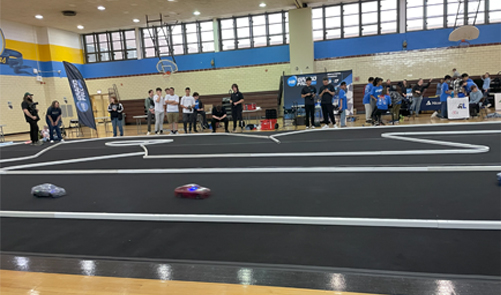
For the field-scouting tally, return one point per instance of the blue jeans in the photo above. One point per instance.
(58, 132)
(343, 118)
(416, 104)
(443, 110)
(115, 122)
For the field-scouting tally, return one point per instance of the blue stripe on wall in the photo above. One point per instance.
(393, 42)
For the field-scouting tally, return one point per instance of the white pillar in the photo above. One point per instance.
(301, 41)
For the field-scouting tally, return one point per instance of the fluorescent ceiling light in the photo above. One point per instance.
(136, 20)
(80, 27)
(196, 12)
(39, 16)
(262, 5)
(100, 7)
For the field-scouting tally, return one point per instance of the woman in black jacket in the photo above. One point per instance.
(237, 99)
(417, 96)
(115, 109)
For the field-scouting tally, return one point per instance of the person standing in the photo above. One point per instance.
(309, 93)
(199, 110)
(326, 92)
(159, 100)
(377, 90)
(367, 100)
(455, 74)
(487, 83)
(149, 106)
(343, 103)
(236, 100)
(115, 109)
(172, 103)
(53, 118)
(31, 116)
(417, 96)
(439, 86)
(219, 115)
(188, 105)
(443, 98)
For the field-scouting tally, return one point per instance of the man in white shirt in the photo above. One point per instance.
(159, 111)
(188, 104)
(172, 103)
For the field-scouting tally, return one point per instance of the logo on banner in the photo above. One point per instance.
(292, 81)
(461, 106)
(428, 103)
(301, 81)
(82, 102)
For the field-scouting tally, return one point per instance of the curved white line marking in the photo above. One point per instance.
(296, 220)
(142, 143)
(32, 156)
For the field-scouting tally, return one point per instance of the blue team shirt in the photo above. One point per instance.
(383, 102)
(469, 83)
(342, 99)
(367, 94)
(443, 94)
(197, 103)
(376, 91)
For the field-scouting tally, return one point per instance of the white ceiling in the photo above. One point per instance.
(119, 13)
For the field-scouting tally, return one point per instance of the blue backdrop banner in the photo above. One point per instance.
(80, 95)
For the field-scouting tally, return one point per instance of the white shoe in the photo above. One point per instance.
(51, 141)
(434, 114)
(312, 127)
(62, 140)
(488, 105)
(148, 133)
(307, 127)
(325, 127)
(335, 126)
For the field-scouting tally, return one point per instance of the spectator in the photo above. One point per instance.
(188, 105)
(343, 103)
(487, 83)
(382, 104)
(45, 133)
(396, 102)
(53, 119)
(149, 106)
(467, 83)
(326, 93)
(199, 110)
(439, 87)
(31, 116)
(367, 100)
(159, 111)
(219, 115)
(443, 98)
(458, 89)
(237, 99)
(455, 74)
(309, 93)
(172, 103)
(475, 98)
(377, 90)
(417, 96)
(115, 109)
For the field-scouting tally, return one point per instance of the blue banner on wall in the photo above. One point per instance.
(294, 84)
(80, 95)
(431, 104)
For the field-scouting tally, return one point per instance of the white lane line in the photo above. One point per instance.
(257, 170)
(32, 156)
(296, 220)
(465, 148)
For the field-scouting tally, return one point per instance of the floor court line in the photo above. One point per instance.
(260, 219)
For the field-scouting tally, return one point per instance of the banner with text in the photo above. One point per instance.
(80, 95)
(294, 84)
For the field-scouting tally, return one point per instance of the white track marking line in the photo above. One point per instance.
(32, 156)
(260, 219)
(254, 170)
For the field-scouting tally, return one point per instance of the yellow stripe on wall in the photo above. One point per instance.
(46, 52)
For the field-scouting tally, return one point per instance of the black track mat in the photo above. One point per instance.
(458, 195)
(413, 250)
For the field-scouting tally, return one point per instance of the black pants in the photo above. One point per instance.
(376, 115)
(150, 119)
(34, 131)
(474, 109)
(328, 112)
(236, 114)
(310, 113)
(204, 119)
(189, 119)
(214, 121)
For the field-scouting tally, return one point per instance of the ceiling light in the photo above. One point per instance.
(170, 0)
(262, 5)
(100, 7)
(136, 20)
(196, 12)
(39, 16)
(80, 27)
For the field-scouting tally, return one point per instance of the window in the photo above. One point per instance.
(389, 16)
(369, 18)
(351, 20)
(455, 13)
(108, 46)
(415, 15)
(332, 22)
(207, 36)
(494, 11)
(254, 31)
(434, 14)
(317, 15)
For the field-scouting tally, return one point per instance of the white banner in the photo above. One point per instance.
(458, 108)
(497, 101)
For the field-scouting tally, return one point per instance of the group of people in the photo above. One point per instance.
(52, 118)
(159, 106)
(326, 93)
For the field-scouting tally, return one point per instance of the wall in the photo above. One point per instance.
(38, 48)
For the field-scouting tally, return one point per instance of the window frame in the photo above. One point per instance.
(109, 42)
